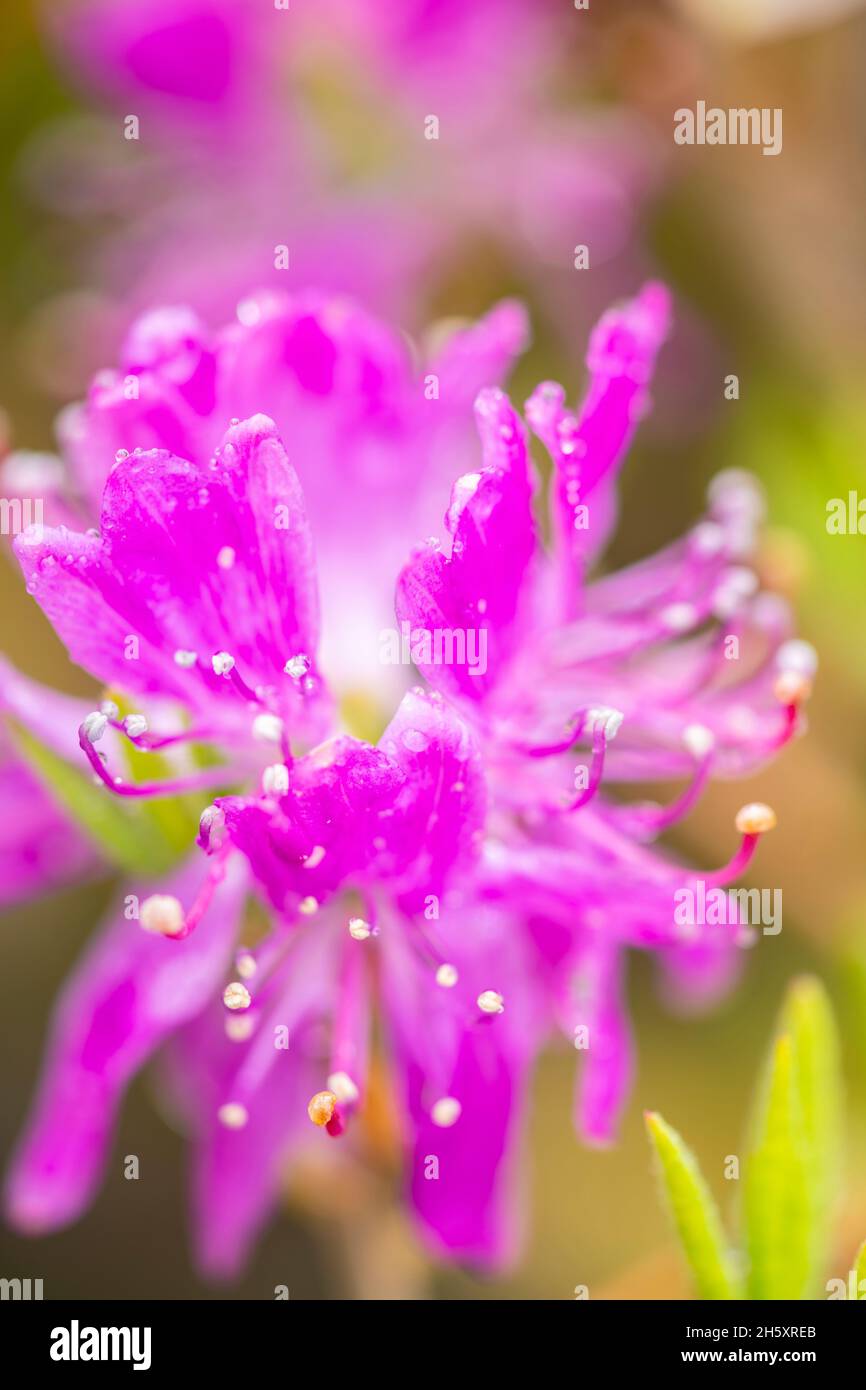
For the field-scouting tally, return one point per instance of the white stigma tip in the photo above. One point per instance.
(755, 819)
(489, 1002)
(94, 725)
(233, 1115)
(236, 996)
(698, 739)
(359, 930)
(447, 976)
(162, 914)
(446, 1112)
(135, 725)
(268, 728)
(297, 666)
(222, 663)
(275, 780)
(343, 1087)
(185, 659)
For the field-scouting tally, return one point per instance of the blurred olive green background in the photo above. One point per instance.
(766, 257)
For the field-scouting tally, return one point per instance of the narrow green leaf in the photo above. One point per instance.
(694, 1213)
(793, 1149)
(125, 833)
(808, 1018)
(860, 1272)
(774, 1188)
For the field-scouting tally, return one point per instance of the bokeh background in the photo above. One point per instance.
(557, 130)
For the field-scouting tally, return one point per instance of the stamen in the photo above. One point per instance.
(186, 659)
(225, 557)
(446, 1112)
(315, 857)
(110, 710)
(447, 976)
(163, 915)
(752, 822)
(604, 723)
(88, 730)
(359, 930)
(755, 819)
(308, 906)
(135, 725)
(236, 996)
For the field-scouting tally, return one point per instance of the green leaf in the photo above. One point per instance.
(793, 1150)
(694, 1213)
(125, 833)
(860, 1271)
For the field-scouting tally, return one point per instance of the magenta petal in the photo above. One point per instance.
(462, 1175)
(607, 1064)
(128, 993)
(191, 558)
(341, 804)
(236, 1173)
(476, 593)
(440, 814)
(587, 449)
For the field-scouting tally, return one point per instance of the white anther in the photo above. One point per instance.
(447, 976)
(236, 996)
(797, 655)
(246, 965)
(275, 780)
(135, 725)
(315, 857)
(185, 658)
(698, 739)
(489, 1002)
(233, 1115)
(222, 663)
(225, 557)
(109, 709)
(344, 1088)
(239, 1027)
(679, 617)
(359, 930)
(162, 914)
(308, 906)
(446, 1112)
(602, 716)
(94, 726)
(268, 728)
(297, 666)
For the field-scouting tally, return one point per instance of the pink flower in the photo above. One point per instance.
(492, 883)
